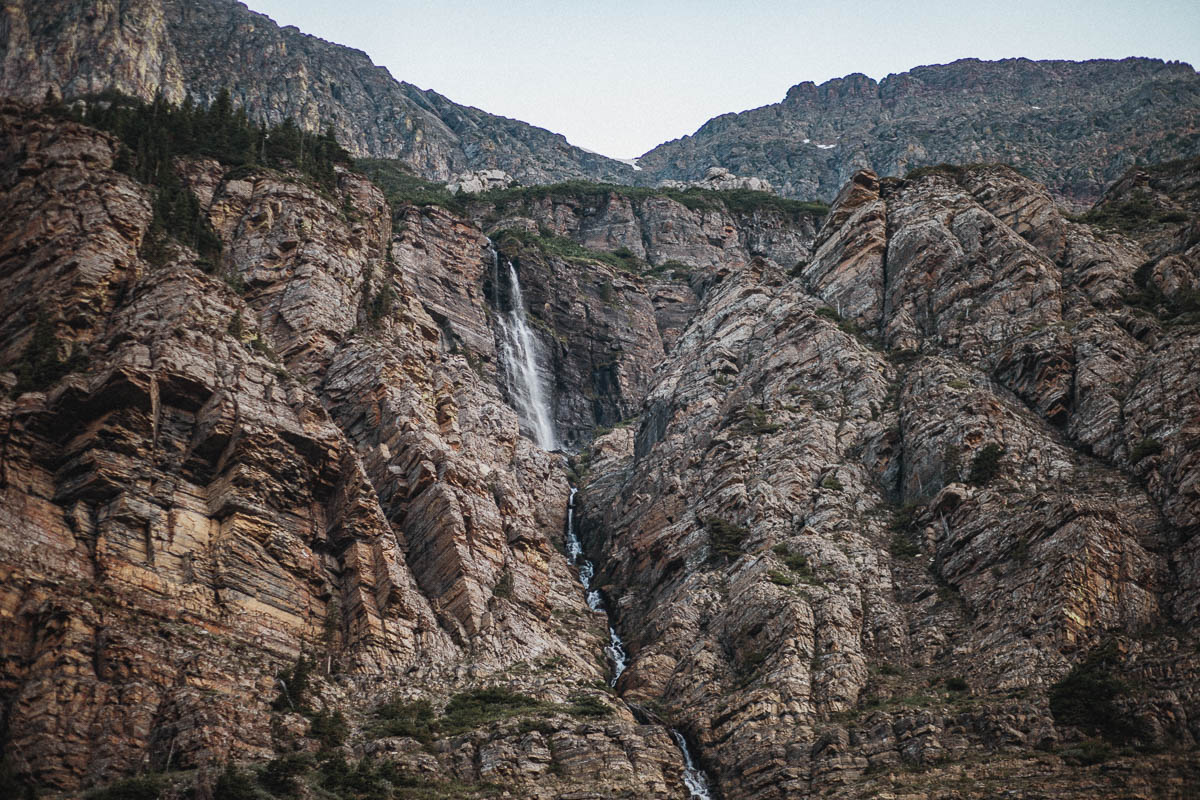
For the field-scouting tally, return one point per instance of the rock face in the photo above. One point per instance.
(901, 500)
(850, 551)
(1075, 126)
(181, 47)
(480, 181)
(720, 179)
(234, 479)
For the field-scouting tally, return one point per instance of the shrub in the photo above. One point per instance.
(831, 482)
(142, 787)
(470, 710)
(234, 784)
(1087, 697)
(280, 775)
(12, 785)
(902, 546)
(755, 421)
(41, 364)
(1087, 753)
(399, 718)
(1144, 449)
(781, 578)
(329, 728)
(796, 562)
(293, 686)
(986, 464)
(588, 706)
(725, 537)
(957, 684)
(504, 586)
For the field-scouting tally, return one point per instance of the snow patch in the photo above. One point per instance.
(826, 146)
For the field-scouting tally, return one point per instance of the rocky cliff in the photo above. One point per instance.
(184, 47)
(898, 500)
(1074, 126)
(907, 548)
(248, 473)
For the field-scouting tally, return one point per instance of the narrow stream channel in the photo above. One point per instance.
(693, 776)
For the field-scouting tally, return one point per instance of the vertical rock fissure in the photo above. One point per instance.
(694, 778)
(520, 353)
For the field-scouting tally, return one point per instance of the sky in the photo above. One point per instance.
(620, 77)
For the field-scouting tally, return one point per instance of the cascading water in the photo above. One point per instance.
(519, 350)
(693, 777)
(616, 648)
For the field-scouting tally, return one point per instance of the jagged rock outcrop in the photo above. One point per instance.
(245, 467)
(1075, 126)
(182, 47)
(891, 486)
(971, 473)
(480, 181)
(720, 179)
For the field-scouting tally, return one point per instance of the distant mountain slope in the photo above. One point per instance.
(1075, 126)
(141, 47)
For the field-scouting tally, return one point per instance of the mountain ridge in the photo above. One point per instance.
(199, 47)
(969, 110)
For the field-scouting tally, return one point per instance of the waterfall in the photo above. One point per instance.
(693, 776)
(615, 650)
(520, 350)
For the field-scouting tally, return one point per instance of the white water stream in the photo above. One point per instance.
(693, 776)
(520, 352)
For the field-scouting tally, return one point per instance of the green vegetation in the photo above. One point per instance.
(1144, 449)
(475, 709)
(281, 776)
(294, 686)
(953, 171)
(41, 363)
(400, 718)
(471, 710)
(831, 482)
(905, 538)
(957, 684)
(504, 587)
(379, 305)
(986, 464)
(329, 728)
(402, 188)
(1183, 307)
(902, 546)
(1131, 216)
(726, 538)
(11, 785)
(154, 134)
(737, 200)
(589, 706)
(1087, 697)
(235, 784)
(141, 787)
(780, 578)
(550, 244)
(1087, 753)
(754, 421)
(797, 563)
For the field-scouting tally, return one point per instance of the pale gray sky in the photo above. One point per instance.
(620, 77)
